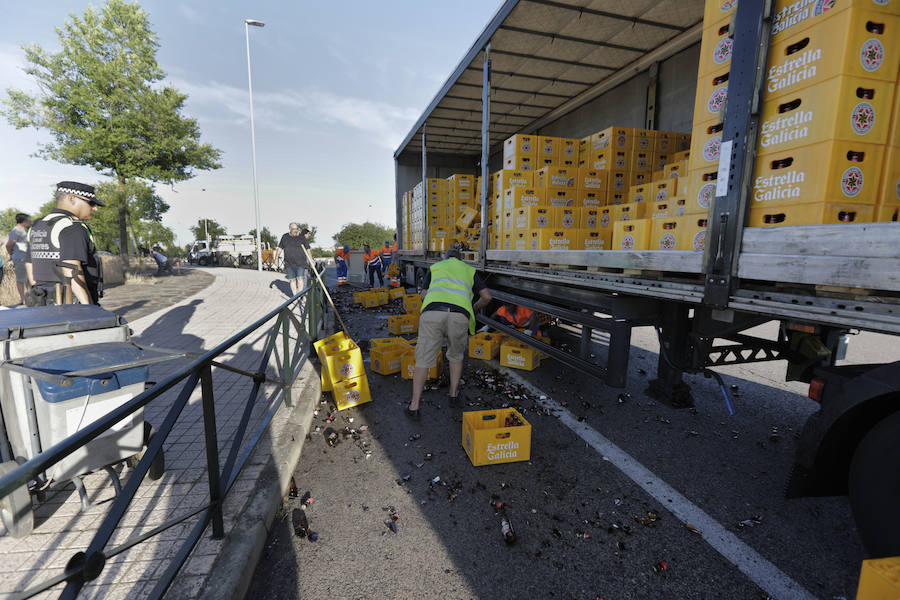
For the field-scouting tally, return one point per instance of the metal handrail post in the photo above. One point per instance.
(287, 369)
(212, 452)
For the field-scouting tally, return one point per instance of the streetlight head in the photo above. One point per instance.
(254, 22)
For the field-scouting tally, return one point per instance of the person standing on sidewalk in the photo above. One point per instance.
(372, 263)
(295, 263)
(64, 238)
(447, 312)
(17, 248)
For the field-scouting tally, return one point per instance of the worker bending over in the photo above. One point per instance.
(372, 264)
(518, 317)
(447, 312)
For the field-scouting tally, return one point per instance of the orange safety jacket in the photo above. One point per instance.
(519, 319)
(339, 253)
(372, 257)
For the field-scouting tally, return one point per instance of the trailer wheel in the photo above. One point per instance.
(203, 261)
(874, 485)
(15, 509)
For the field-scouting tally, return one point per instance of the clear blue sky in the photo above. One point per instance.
(336, 87)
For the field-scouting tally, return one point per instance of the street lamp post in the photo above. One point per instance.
(255, 23)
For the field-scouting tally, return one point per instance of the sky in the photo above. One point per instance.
(336, 88)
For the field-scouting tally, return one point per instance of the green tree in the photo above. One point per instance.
(8, 220)
(102, 101)
(265, 236)
(205, 226)
(321, 252)
(355, 235)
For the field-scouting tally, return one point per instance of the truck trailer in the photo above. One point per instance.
(561, 68)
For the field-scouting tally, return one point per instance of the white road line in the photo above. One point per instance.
(752, 564)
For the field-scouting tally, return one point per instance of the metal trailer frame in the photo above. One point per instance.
(729, 289)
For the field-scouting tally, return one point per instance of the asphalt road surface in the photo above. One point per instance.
(623, 497)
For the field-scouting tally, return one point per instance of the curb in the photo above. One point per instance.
(232, 571)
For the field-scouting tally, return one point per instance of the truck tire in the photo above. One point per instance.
(16, 509)
(203, 261)
(874, 488)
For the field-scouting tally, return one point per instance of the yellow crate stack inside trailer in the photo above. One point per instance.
(825, 153)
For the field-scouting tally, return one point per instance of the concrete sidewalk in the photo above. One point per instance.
(235, 299)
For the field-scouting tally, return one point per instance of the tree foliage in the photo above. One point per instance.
(321, 252)
(355, 235)
(102, 101)
(8, 220)
(265, 236)
(210, 226)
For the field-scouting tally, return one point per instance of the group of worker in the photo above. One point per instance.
(374, 263)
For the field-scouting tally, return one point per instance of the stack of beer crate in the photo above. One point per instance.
(416, 214)
(826, 149)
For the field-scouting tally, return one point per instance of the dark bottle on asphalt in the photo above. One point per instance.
(506, 529)
(301, 525)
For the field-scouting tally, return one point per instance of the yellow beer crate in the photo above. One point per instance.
(408, 365)
(879, 579)
(599, 239)
(834, 171)
(386, 359)
(631, 235)
(359, 297)
(369, 299)
(817, 213)
(396, 293)
(399, 324)
(630, 211)
(518, 197)
(487, 441)
(466, 217)
(519, 356)
(345, 364)
(590, 198)
(668, 234)
(485, 346)
(412, 303)
(381, 296)
(378, 342)
(351, 392)
(535, 217)
(887, 213)
(333, 344)
(694, 237)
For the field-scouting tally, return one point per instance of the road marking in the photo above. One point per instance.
(752, 564)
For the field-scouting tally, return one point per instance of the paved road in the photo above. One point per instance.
(590, 523)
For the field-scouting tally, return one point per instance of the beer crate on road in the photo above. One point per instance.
(519, 356)
(485, 346)
(400, 324)
(351, 392)
(387, 359)
(333, 344)
(408, 364)
(489, 438)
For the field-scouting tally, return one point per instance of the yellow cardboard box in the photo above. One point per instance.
(818, 213)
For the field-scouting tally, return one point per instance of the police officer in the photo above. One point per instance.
(64, 238)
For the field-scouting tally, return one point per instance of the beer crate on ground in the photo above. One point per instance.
(489, 437)
(351, 392)
(399, 324)
(345, 364)
(519, 356)
(333, 344)
(878, 578)
(359, 297)
(485, 346)
(412, 303)
(376, 342)
(387, 359)
(381, 296)
(396, 293)
(408, 364)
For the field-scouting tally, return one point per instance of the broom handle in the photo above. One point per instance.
(312, 262)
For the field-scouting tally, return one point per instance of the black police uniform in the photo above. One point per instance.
(58, 237)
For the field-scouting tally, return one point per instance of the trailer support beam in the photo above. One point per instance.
(668, 387)
(485, 151)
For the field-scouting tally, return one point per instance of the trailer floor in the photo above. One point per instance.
(582, 525)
